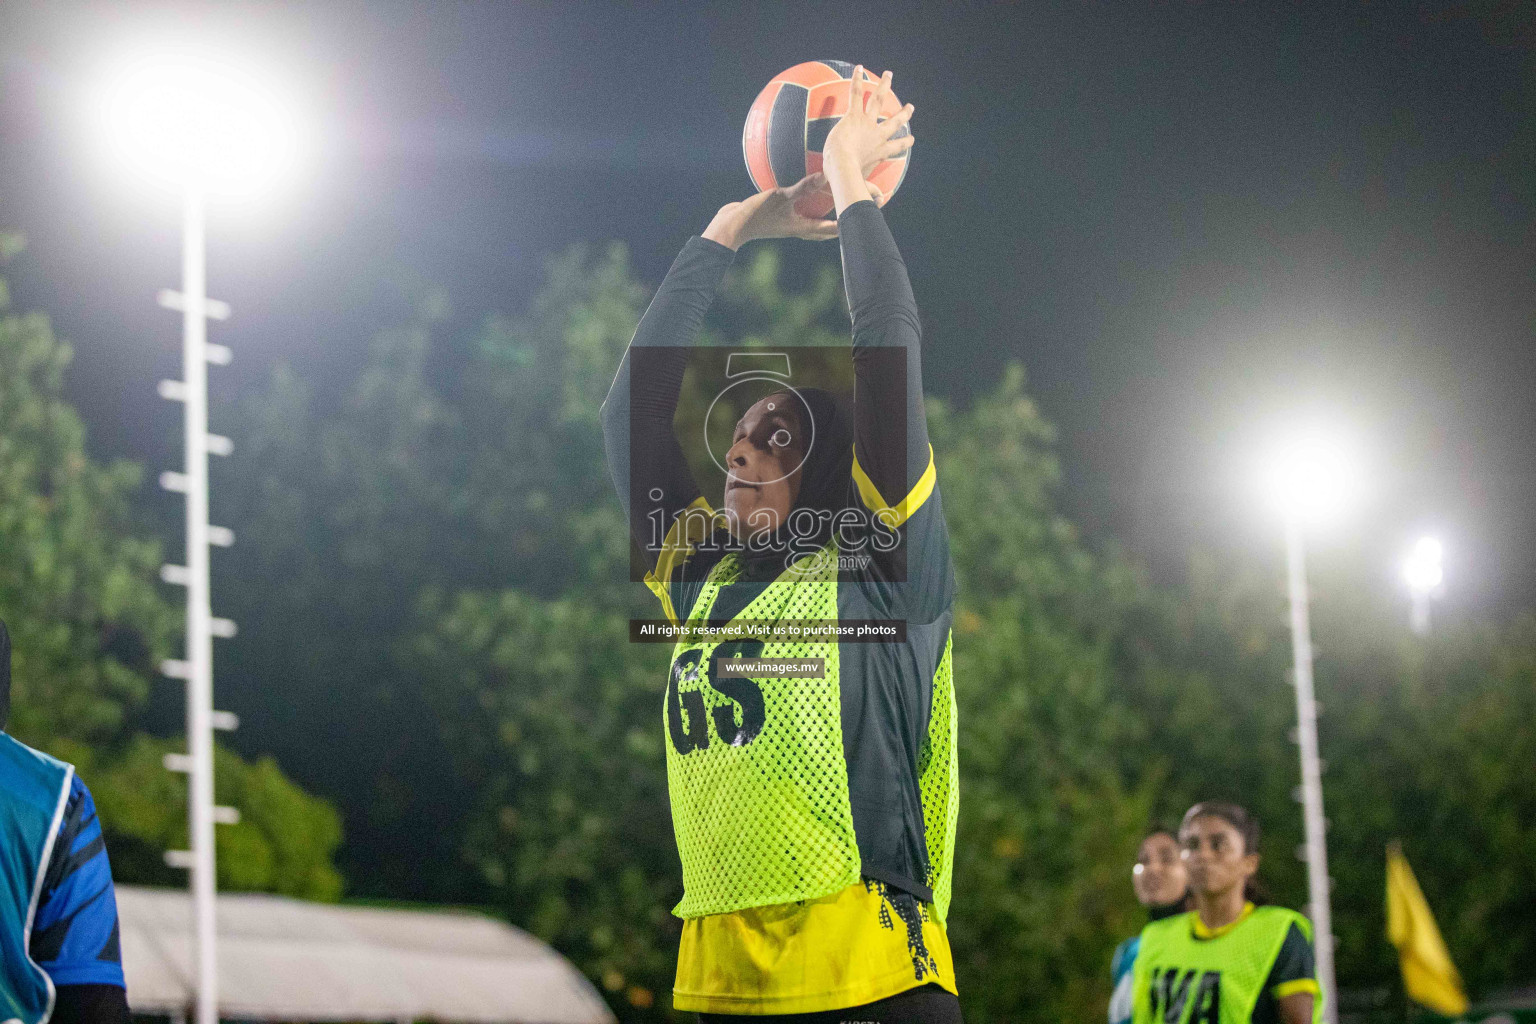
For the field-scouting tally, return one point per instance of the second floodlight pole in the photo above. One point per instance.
(1418, 617)
(1316, 848)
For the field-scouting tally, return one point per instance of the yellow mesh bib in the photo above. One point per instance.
(1181, 979)
(755, 768)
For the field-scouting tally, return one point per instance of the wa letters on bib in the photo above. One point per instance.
(1173, 991)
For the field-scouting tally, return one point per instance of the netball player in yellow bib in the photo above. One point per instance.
(1230, 960)
(814, 814)
(1161, 882)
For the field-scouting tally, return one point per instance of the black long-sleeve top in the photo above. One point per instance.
(887, 689)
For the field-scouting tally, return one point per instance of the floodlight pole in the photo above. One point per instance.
(1316, 848)
(201, 626)
(194, 358)
(1418, 617)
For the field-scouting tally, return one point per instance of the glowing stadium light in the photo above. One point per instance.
(1311, 476)
(198, 120)
(1425, 569)
(1424, 572)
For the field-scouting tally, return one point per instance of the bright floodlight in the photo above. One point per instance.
(1424, 570)
(198, 119)
(1310, 476)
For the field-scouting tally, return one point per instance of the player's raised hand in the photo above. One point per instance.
(860, 139)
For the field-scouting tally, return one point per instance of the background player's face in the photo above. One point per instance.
(763, 466)
(1216, 855)
(1159, 876)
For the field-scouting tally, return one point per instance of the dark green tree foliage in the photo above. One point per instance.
(87, 621)
(434, 570)
(355, 507)
(341, 519)
(1204, 671)
(75, 580)
(1433, 743)
(283, 843)
(554, 719)
(1472, 752)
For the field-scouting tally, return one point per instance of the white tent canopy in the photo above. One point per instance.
(285, 959)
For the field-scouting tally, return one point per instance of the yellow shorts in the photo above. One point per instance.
(853, 947)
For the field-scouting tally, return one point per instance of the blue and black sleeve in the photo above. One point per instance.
(75, 936)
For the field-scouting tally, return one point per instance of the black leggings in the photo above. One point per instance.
(929, 1004)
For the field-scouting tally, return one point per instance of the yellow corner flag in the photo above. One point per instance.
(1428, 974)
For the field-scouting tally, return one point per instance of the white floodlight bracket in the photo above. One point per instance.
(213, 309)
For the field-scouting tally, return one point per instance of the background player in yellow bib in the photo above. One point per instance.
(1230, 960)
(1161, 881)
(815, 817)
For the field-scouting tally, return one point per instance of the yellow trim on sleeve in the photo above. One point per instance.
(1290, 988)
(686, 531)
(910, 504)
(663, 594)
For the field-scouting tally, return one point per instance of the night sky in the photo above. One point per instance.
(1184, 220)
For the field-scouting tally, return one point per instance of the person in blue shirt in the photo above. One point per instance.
(1162, 886)
(60, 961)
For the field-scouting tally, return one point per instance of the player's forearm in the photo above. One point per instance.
(90, 1004)
(890, 424)
(727, 228)
(845, 180)
(677, 311)
(643, 454)
(1296, 1008)
(880, 300)
(648, 394)
(649, 471)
